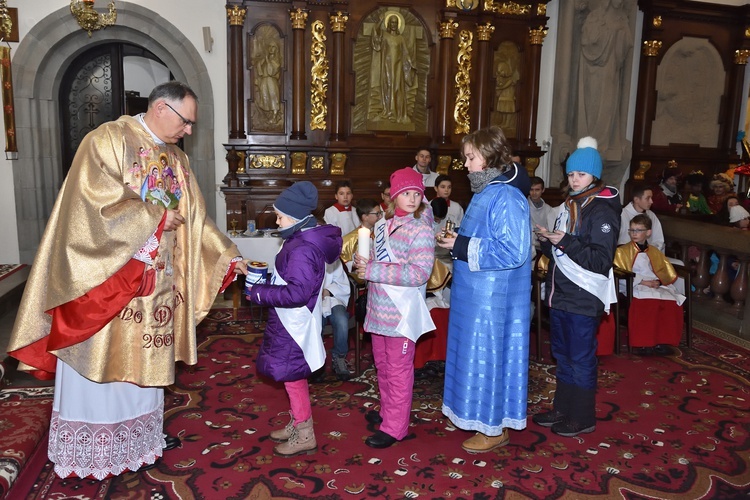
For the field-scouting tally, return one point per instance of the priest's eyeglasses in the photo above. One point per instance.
(637, 231)
(185, 122)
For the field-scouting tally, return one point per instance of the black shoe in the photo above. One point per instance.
(380, 440)
(548, 418)
(317, 376)
(172, 442)
(663, 350)
(146, 467)
(643, 351)
(373, 416)
(568, 428)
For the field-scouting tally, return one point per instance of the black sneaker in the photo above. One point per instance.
(568, 428)
(548, 418)
(663, 350)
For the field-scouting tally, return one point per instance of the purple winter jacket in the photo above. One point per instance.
(301, 262)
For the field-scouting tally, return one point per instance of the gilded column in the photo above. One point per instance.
(447, 31)
(646, 105)
(528, 117)
(484, 70)
(299, 20)
(236, 18)
(338, 27)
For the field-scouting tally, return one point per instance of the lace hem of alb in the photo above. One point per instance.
(98, 450)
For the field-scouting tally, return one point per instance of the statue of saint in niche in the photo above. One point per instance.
(267, 63)
(606, 43)
(394, 72)
(507, 75)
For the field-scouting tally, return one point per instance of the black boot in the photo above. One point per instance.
(560, 407)
(581, 418)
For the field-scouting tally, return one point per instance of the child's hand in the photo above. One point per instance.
(554, 237)
(360, 265)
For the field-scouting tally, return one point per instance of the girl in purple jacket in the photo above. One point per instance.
(399, 266)
(292, 344)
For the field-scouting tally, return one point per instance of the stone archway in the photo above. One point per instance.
(39, 64)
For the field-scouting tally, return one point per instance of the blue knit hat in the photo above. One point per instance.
(298, 200)
(585, 159)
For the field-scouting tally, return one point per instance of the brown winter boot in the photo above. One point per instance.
(283, 435)
(302, 441)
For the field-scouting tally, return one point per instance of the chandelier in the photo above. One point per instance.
(89, 19)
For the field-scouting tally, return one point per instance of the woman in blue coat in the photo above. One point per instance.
(486, 366)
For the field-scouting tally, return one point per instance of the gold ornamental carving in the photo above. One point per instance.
(531, 165)
(747, 32)
(541, 9)
(463, 83)
(536, 36)
(656, 22)
(741, 56)
(338, 162)
(443, 164)
(338, 22)
(643, 167)
(317, 163)
(511, 8)
(462, 4)
(267, 162)
(299, 19)
(448, 28)
(318, 77)
(651, 48)
(299, 162)
(242, 155)
(236, 15)
(484, 32)
(457, 164)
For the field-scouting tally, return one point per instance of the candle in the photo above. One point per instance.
(363, 242)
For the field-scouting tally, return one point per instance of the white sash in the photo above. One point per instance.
(304, 326)
(409, 300)
(597, 285)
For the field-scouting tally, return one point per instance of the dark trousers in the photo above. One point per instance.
(573, 340)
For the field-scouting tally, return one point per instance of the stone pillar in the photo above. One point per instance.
(735, 102)
(447, 30)
(299, 21)
(338, 27)
(484, 70)
(646, 107)
(528, 118)
(236, 18)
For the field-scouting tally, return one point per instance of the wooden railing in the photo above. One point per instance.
(694, 242)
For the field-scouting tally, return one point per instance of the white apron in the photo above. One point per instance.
(409, 300)
(304, 326)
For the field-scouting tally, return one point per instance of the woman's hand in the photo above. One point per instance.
(360, 265)
(446, 240)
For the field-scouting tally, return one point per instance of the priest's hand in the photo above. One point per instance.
(174, 220)
(240, 267)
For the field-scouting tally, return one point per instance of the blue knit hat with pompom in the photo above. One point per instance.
(585, 159)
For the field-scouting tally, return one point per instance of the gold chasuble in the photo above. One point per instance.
(103, 225)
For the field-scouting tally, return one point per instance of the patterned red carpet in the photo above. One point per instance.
(668, 427)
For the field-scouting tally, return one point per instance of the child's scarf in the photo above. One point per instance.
(576, 202)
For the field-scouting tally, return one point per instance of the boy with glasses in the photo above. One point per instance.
(655, 317)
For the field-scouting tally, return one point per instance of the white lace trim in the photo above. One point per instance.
(89, 449)
(487, 430)
(144, 253)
